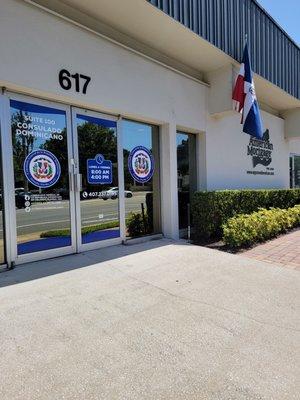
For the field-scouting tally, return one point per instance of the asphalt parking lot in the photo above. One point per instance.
(159, 320)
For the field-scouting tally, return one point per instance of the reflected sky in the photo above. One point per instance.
(180, 138)
(136, 134)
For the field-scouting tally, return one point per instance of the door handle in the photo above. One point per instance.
(71, 186)
(78, 182)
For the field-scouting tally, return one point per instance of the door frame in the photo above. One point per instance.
(10, 184)
(6, 178)
(109, 242)
(187, 230)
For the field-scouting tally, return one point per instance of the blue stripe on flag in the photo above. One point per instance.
(247, 65)
(253, 123)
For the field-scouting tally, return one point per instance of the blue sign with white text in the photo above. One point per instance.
(99, 171)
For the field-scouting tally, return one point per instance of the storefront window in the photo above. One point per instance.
(295, 171)
(41, 174)
(2, 253)
(98, 166)
(291, 172)
(142, 178)
(186, 173)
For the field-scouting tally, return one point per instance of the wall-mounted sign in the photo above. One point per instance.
(261, 150)
(42, 168)
(261, 153)
(99, 171)
(68, 80)
(141, 164)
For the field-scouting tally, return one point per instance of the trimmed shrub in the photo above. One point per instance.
(210, 210)
(136, 225)
(245, 230)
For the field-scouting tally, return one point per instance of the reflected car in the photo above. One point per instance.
(23, 198)
(113, 194)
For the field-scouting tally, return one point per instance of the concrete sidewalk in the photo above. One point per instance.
(160, 320)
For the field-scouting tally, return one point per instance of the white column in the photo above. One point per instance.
(169, 194)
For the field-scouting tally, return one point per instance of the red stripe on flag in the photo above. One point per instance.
(238, 93)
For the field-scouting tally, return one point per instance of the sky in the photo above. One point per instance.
(286, 13)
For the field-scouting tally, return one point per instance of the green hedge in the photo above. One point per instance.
(245, 230)
(210, 210)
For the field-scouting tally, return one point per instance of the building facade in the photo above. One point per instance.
(111, 107)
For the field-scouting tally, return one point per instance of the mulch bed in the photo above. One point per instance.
(220, 245)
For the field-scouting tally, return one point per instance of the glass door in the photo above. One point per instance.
(186, 175)
(96, 181)
(2, 238)
(43, 178)
(295, 171)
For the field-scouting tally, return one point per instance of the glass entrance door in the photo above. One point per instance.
(186, 174)
(43, 181)
(96, 180)
(2, 247)
(68, 187)
(295, 171)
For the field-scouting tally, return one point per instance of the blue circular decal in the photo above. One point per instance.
(42, 168)
(141, 164)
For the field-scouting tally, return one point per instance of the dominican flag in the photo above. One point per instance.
(245, 101)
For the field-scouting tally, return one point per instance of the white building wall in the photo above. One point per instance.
(294, 145)
(38, 45)
(228, 164)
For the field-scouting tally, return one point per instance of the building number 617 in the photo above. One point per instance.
(67, 80)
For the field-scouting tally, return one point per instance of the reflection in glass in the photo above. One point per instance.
(291, 172)
(142, 200)
(295, 171)
(186, 172)
(2, 253)
(40, 155)
(98, 166)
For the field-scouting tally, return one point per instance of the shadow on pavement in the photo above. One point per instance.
(40, 269)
